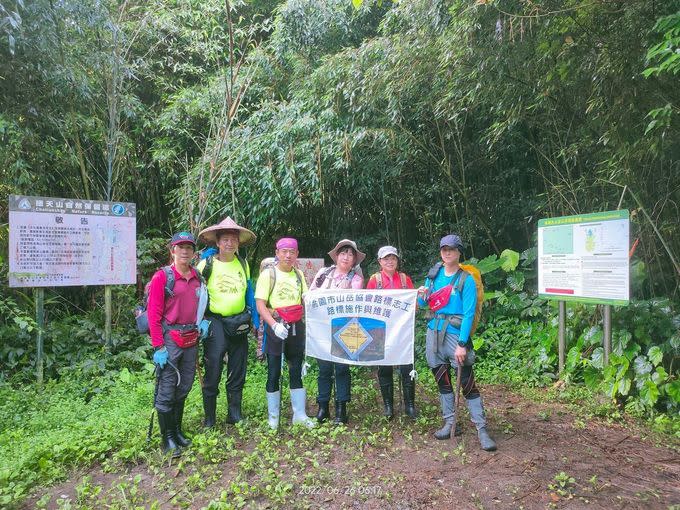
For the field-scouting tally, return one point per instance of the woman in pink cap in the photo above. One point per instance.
(341, 275)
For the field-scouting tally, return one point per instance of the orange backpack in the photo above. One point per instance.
(467, 270)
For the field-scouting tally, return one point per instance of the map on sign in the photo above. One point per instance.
(584, 258)
(61, 242)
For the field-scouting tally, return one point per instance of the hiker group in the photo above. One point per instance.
(214, 303)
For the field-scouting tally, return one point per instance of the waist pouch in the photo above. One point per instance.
(291, 314)
(183, 335)
(440, 299)
(236, 324)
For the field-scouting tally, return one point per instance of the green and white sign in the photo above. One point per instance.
(585, 258)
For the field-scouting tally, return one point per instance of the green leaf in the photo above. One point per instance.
(659, 376)
(649, 393)
(655, 355)
(624, 386)
(477, 342)
(488, 264)
(124, 375)
(509, 260)
(620, 341)
(592, 377)
(597, 358)
(515, 281)
(672, 389)
(357, 4)
(642, 366)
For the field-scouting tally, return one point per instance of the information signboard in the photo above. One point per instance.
(57, 242)
(585, 258)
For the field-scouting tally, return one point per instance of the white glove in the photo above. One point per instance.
(280, 330)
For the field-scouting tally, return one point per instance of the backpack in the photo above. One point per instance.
(141, 316)
(379, 282)
(465, 270)
(322, 277)
(272, 280)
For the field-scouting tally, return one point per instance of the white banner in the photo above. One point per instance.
(361, 327)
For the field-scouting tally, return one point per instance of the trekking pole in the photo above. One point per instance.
(157, 374)
(198, 370)
(457, 404)
(283, 350)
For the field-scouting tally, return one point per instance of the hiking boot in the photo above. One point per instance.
(209, 406)
(182, 441)
(340, 413)
(409, 389)
(387, 391)
(324, 413)
(234, 406)
(298, 400)
(273, 409)
(166, 423)
(447, 401)
(485, 440)
(478, 417)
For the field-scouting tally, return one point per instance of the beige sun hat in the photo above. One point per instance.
(346, 242)
(209, 235)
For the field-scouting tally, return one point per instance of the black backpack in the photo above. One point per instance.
(141, 316)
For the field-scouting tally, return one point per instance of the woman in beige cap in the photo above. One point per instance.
(343, 274)
(231, 309)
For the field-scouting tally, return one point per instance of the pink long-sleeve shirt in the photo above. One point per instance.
(178, 309)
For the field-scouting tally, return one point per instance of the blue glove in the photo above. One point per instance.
(160, 357)
(204, 328)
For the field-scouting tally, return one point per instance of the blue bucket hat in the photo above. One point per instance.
(452, 241)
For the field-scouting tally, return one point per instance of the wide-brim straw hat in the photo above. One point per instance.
(209, 235)
(347, 242)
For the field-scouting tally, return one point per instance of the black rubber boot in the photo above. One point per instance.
(340, 413)
(387, 391)
(209, 406)
(166, 422)
(179, 414)
(409, 388)
(234, 404)
(323, 413)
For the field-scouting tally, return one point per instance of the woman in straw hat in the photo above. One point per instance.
(343, 274)
(228, 318)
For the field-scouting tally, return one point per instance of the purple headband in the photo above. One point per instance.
(287, 242)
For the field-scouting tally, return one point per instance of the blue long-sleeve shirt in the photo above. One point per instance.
(463, 303)
(250, 303)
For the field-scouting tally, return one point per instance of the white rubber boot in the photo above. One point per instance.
(274, 408)
(298, 399)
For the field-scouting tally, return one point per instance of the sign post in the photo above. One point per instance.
(584, 258)
(39, 295)
(56, 242)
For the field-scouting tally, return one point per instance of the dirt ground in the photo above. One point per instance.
(547, 458)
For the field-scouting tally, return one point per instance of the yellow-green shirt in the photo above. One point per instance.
(286, 290)
(227, 286)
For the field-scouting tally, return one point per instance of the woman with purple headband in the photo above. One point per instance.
(279, 302)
